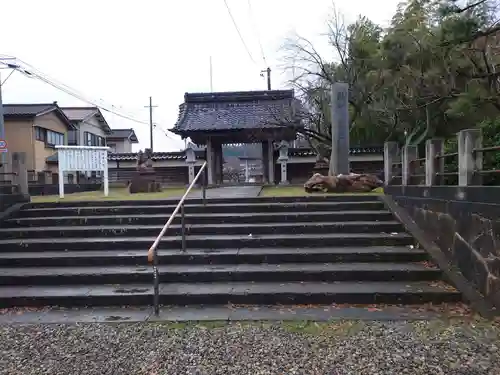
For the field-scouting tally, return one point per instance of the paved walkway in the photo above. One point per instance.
(230, 192)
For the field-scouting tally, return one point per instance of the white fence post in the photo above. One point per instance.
(82, 159)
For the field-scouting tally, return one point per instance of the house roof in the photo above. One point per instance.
(83, 113)
(123, 134)
(241, 110)
(31, 110)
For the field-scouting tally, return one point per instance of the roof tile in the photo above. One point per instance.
(26, 110)
(234, 110)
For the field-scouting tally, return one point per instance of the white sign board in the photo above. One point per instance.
(82, 159)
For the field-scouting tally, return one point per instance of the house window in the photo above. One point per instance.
(54, 138)
(40, 134)
(73, 138)
(94, 140)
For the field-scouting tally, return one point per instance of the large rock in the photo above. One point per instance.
(144, 179)
(351, 183)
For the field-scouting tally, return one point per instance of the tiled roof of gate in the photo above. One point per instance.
(130, 156)
(234, 110)
(352, 151)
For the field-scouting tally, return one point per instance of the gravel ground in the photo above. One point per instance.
(429, 348)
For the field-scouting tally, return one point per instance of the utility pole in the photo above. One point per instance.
(151, 126)
(268, 71)
(211, 76)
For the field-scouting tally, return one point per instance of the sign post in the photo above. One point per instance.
(3, 146)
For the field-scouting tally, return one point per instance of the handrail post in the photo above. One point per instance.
(204, 187)
(156, 291)
(153, 250)
(183, 227)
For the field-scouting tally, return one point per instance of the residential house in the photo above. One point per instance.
(35, 129)
(91, 128)
(121, 140)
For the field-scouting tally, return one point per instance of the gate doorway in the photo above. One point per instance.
(242, 164)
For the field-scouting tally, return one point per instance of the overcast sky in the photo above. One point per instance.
(125, 51)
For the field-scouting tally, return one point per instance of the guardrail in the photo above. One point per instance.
(153, 250)
(403, 166)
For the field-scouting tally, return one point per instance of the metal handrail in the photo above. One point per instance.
(153, 250)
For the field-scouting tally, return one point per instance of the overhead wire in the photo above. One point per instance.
(256, 31)
(239, 33)
(32, 72)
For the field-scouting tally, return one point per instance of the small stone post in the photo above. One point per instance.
(410, 153)
(190, 160)
(434, 165)
(283, 160)
(390, 155)
(20, 172)
(468, 161)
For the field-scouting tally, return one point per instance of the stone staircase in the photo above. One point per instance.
(308, 250)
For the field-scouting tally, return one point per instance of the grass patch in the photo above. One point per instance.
(115, 194)
(298, 191)
(342, 328)
(336, 328)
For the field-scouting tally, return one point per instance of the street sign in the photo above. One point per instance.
(3, 145)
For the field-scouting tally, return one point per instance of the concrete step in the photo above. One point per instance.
(213, 256)
(261, 293)
(203, 218)
(132, 210)
(203, 229)
(211, 242)
(196, 200)
(215, 273)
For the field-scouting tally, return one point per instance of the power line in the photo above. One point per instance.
(256, 30)
(239, 33)
(32, 72)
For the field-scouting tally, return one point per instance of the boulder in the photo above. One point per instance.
(351, 183)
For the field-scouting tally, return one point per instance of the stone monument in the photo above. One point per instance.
(339, 162)
(144, 179)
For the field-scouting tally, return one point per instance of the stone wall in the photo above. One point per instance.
(465, 223)
(9, 196)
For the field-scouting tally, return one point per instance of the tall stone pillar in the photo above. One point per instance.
(339, 163)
